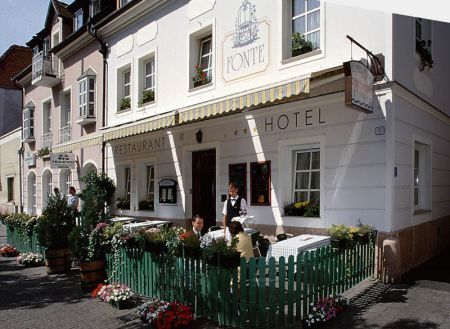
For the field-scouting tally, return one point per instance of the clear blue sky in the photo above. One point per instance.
(20, 20)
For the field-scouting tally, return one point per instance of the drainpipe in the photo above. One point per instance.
(104, 51)
(20, 152)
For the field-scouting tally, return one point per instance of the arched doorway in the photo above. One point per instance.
(65, 181)
(47, 186)
(31, 193)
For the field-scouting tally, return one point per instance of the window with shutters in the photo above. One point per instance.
(86, 97)
(28, 123)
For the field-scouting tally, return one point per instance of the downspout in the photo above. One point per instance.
(104, 51)
(20, 152)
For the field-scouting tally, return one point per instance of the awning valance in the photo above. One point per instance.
(246, 100)
(79, 143)
(137, 128)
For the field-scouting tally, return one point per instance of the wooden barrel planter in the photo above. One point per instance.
(58, 260)
(91, 274)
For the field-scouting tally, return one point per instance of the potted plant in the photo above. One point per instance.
(200, 78)
(219, 252)
(117, 295)
(123, 203)
(341, 236)
(364, 233)
(154, 241)
(86, 239)
(302, 209)
(149, 311)
(423, 49)
(52, 231)
(7, 250)
(190, 245)
(43, 152)
(125, 104)
(146, 205)
(175, 315)
(325, 309)
(148, 96)
(30, 259)
(300, 45)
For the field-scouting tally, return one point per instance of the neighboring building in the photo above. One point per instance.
(14, 60)
(276, 121)
(63, 97)
(10, 143)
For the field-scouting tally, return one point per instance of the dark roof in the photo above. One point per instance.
(61, 9)
(13, 61)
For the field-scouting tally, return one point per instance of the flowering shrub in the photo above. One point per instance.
(7, 250)
(30, 259)
(189, 239)
(200, 76)
(302, 208)
(325, 309)
(176, 315)
(110, 293)
(149, 311)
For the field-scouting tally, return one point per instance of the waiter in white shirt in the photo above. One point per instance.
(231, 208)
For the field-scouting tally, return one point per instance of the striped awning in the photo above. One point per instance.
(78, 144)
(247, 100)
(137, 128)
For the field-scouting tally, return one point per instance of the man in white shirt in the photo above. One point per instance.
(232, 207)
(197, 225)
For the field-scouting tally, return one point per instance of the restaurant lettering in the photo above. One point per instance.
(147, 145)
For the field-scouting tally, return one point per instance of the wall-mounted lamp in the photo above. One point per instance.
(199, 136)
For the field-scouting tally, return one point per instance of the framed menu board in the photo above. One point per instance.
(260, 183)
(237, 173)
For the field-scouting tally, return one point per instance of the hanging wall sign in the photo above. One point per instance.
(358, 86)
(167, 191)
(30, 159)
(246, 50)
(62, 160)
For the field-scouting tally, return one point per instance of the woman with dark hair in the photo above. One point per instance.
(244, 240)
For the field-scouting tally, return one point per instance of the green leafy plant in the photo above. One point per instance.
(123, 203)
(125, 103)
(147, 96)
(55, 224)
(300, 45)
(43, 152)
(423, 49)
(96, 197)
(146, 205)
(200, 78)
(302, 208)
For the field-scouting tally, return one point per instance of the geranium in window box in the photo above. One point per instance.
(123, 204)
(148, 96)
(300, 45)
(200, 78)
(146, 205)
(125, 104)
(302, 209)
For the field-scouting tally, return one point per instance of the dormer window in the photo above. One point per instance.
(95, 7)
(78, 20)
(86, 95)
(28, 122)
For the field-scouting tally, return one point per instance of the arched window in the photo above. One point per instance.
(47, 187)
(31, 195)
(65, 181)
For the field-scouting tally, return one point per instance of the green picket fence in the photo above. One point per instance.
(23, 243)
(264, 293)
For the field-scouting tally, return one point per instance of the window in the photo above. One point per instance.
(47, 187)
(124, 2)
(306, 20)
(10, 187)
(124, 88)
(28, 122)
(126, 83)
(65, 117)
(65, 180)
(127, 173)
(78, 20)
(47, 125)
(151, 183)
(95, 7)
(205, 57)
(55, 40)
(423, 42)
(86, 97)
(422, 177)
(306, 180)
(260, 186)
(46, 46)
(150, 75)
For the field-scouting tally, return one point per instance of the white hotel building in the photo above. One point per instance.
(278, 123)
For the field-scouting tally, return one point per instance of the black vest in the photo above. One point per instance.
(233, 211)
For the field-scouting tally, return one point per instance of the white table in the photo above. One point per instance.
(296, 245)
(122, 219)
(219, 233)
(130, 228)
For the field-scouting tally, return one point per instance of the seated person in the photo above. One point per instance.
(197, 225)
(244, 246)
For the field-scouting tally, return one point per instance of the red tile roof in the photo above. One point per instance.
(14, 60)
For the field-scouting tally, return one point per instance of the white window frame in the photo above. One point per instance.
(76, 24)
(45, 103)
(28, 123)
(9, 189)
(49, 188)
(151, 75)
(150, 179)
(91, 7)
(86, 105)
(209, 55)
(127, 177)
(126, 84)
(309, 171)
(422, 180)
(305, 15)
